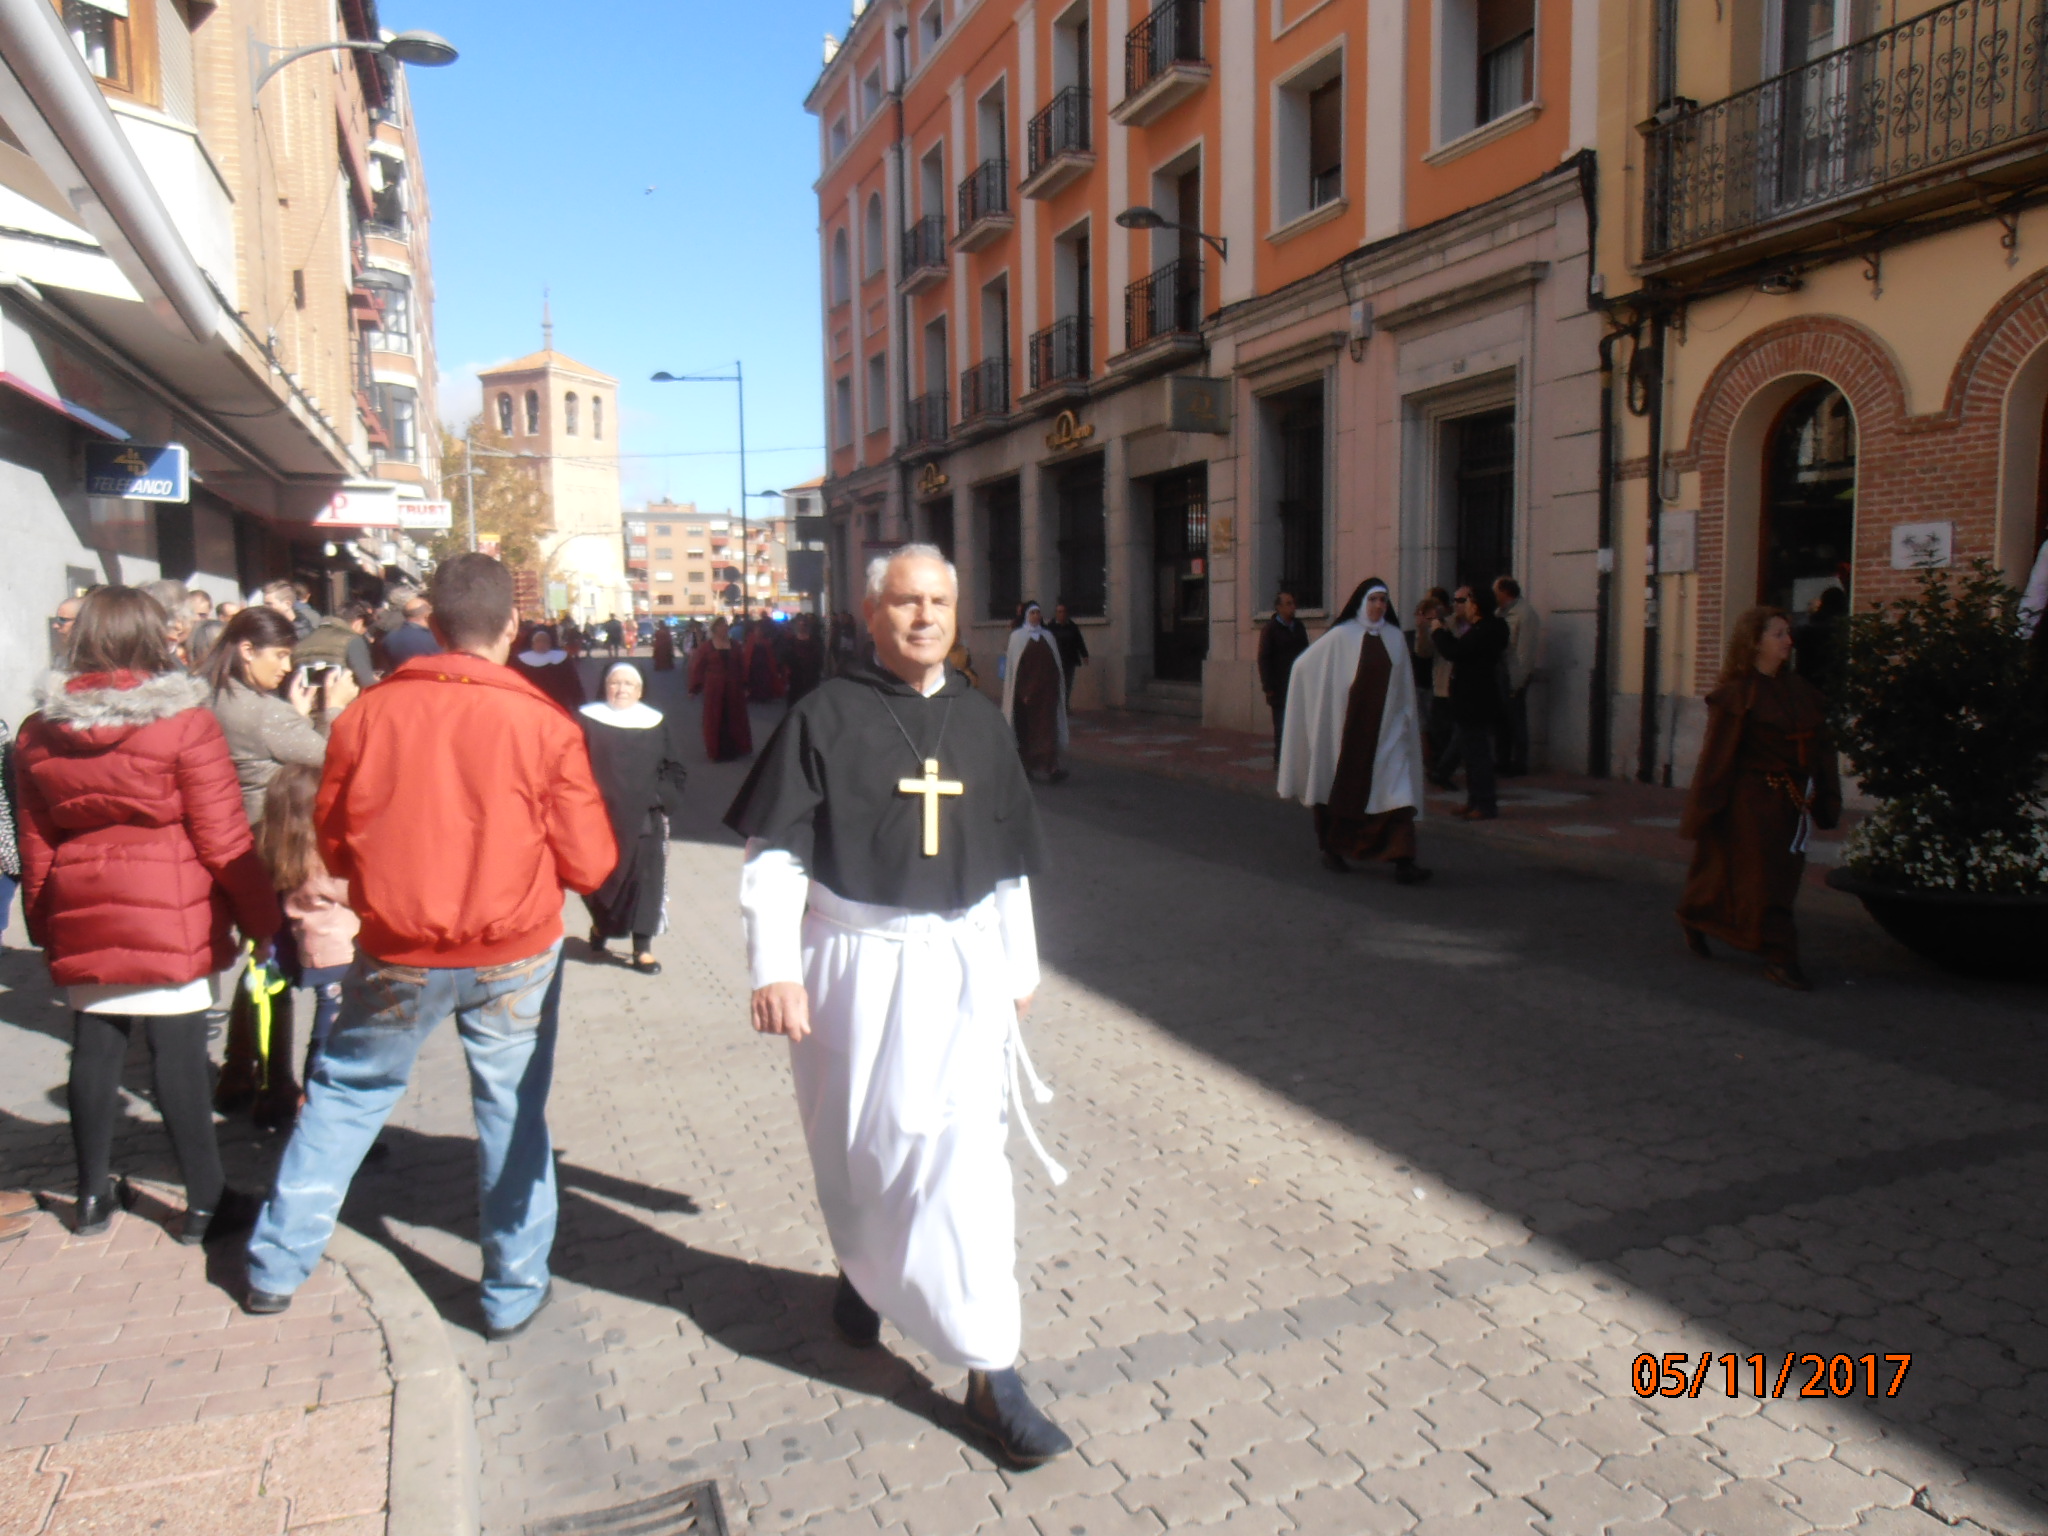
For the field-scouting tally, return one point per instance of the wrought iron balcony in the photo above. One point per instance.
(985, 390)
(1058, 143)
(1059, 354)
(985, 205)
(1167, 302)
(924, 253)
(925, 421)
(1925, 118)
(1163, 62)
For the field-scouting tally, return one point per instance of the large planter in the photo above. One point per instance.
(1997, 936)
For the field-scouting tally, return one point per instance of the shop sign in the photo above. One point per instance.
(139, 471)
(806, 571)
(1196, 404)
(361, 506)
(426, 516)
(1067, 432)
(1678, 543)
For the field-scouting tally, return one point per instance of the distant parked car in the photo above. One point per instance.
(645, 630)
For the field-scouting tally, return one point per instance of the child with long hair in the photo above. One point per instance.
(315, 901)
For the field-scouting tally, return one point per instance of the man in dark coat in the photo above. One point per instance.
(1066, 634)
(1475, 659)
(1282, 639)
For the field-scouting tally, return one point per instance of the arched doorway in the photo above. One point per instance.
(1807, 531)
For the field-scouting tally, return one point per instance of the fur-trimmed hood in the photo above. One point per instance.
(103, 702)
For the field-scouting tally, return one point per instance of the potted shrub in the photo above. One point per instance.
(1940, 709)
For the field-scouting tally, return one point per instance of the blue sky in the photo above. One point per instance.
(540, 146)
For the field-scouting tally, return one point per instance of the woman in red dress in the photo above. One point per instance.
(716, 671)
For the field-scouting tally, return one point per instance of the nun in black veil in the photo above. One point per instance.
(637, 760)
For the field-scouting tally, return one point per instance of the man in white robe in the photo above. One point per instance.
(890, 840)
(1351, 741)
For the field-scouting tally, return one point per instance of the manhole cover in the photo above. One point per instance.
(695, 1510)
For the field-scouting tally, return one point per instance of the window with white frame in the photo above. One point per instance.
(931, 26)
(871, 94)
(1487, 63)
(874, 243)
(842, 277)
(836, 142)
(1308, 139)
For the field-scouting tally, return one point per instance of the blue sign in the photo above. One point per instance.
(139, 471)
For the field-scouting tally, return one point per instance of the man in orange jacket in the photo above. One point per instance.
(457, 802)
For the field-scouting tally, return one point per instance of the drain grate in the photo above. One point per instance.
(694, 1510)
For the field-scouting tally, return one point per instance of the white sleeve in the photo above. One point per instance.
(2035, 604)
(774, 888)
(1020, 934)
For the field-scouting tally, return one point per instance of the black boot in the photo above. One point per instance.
(232, 1215)
(96, 1212)
(1408, 872)
(858, 1323)
(999, 1408)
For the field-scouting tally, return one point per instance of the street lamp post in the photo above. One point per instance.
(426, 49)
(736, 377)
(1142, 217)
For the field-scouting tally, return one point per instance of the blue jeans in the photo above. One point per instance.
(506, 1015)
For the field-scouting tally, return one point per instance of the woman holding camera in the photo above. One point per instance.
(265, 730)
(265, 727)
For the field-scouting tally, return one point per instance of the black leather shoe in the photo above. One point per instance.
(999, 1409)
(858, 1323)
(648, 967)
(234, 1214)
(1788, 976)
(265, 1303)
(95, 1214)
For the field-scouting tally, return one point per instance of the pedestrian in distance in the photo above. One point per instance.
(1519, 670)
(1352, 752)
(806, 662)
(136, 858)
(759, 664)
(550, 670)
(715, 672)
(663, 648)
(340, 641)
(412, 638)
(1433, 681)
(458, 803)
(891, 839)
(317, 915)
(1282, 639)
(1766, 778)
(1073, 646)
(636, 757)
(60, 628)
(1035, 696)
(1475, 658)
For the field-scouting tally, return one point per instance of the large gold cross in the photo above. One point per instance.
(931, 786)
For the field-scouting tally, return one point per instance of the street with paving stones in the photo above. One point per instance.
(1377, 1197)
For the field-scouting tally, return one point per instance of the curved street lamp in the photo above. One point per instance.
(429, 50)
(1142, 217)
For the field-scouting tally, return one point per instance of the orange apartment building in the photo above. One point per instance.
(1370, 348)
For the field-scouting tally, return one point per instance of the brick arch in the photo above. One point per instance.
(1862, 367)
(2012, 332)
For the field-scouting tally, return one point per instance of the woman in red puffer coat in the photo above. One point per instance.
(136, 854)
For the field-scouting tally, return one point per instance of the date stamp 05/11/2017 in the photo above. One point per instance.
(1802, 1375)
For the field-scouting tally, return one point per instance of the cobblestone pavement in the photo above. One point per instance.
(1377, 1195)
(135, 1396)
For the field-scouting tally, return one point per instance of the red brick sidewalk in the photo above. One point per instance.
(1542, 810)
(135, 1396)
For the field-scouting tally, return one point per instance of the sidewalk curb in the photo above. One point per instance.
(435, 1469)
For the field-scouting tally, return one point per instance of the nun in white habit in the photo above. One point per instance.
(1035, 696)
(1351, 747)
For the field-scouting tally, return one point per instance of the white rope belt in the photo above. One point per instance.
(1018, 1055)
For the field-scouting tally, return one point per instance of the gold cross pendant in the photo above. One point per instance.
(931, 786)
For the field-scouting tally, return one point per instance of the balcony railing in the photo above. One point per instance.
(985, 390)
(1165, 303)
(985, 194)
(1061, 129)
(1960, 83)
(1171, 35)
(924, 244)
(1059, 353)
(925, 421)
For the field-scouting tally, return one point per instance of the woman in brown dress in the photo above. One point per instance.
(715, 673)
(1766, 779)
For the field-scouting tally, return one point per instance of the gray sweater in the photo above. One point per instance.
(264, 733)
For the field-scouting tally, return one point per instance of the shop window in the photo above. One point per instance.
(1002, 515)
(1083, 541)
(1809, 515)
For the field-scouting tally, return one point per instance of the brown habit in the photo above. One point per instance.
(1766, 740)
(1035, 702)
(1342, 826)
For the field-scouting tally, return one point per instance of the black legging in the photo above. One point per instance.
(177, 1047)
